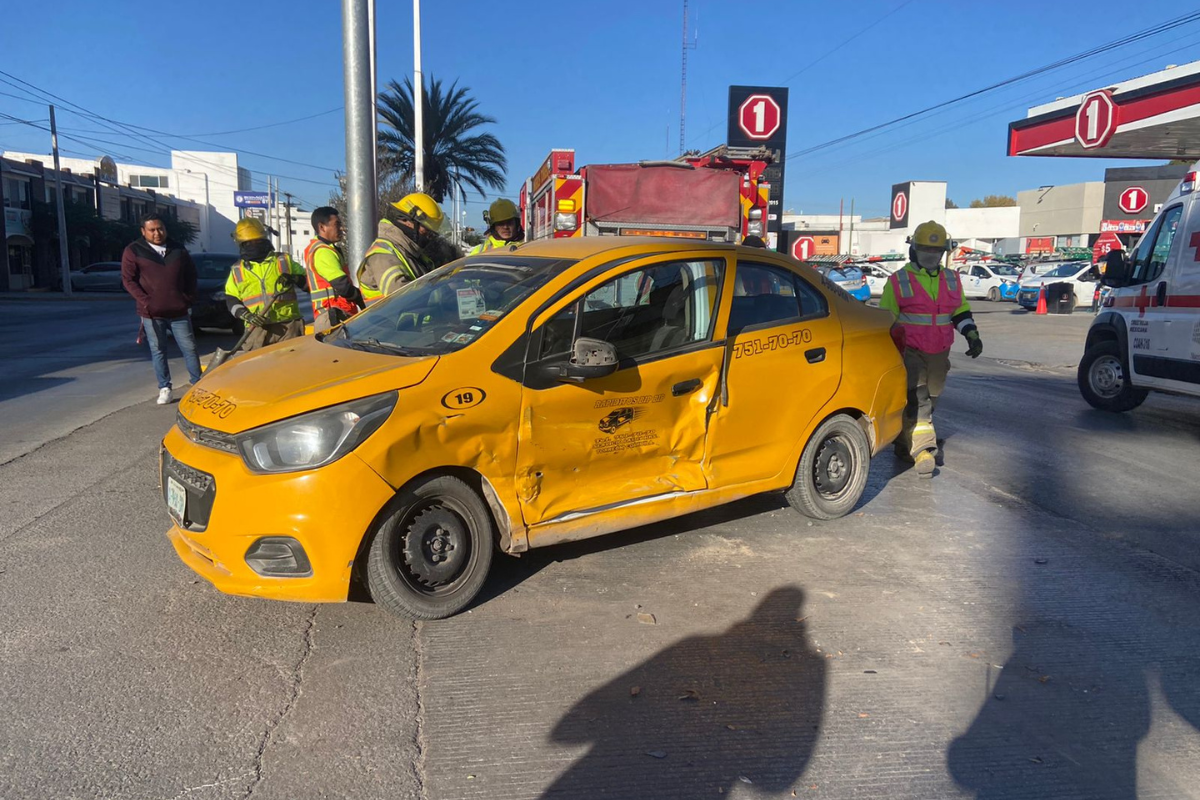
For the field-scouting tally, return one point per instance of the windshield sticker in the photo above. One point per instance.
(470, 304)
(490, 315)
(767, 344)
(464, 338)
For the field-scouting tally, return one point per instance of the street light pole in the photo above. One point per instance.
(418, 103)
(63, 258)
(360, 129)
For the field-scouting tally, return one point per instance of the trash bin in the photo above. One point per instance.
(1060, 298)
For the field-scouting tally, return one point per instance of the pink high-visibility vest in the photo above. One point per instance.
(926, 322)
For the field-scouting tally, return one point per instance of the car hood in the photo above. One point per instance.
(292, 378)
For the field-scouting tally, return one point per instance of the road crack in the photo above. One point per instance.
(419, 744)
(295, 691)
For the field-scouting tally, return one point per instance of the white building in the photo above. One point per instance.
(206, 179)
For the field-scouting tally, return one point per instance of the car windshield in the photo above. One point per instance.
(1061, 271)
(1004, 270)
(213, 266)
(449, 308)
(845, 274)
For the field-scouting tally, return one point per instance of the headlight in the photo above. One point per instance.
(314, 439)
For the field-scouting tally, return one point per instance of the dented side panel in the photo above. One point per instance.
(612, 440)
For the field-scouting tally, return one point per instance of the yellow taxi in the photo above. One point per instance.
(521, 398)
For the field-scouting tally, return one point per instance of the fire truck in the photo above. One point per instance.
(717, 196)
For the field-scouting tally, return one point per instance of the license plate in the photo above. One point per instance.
(176, 499)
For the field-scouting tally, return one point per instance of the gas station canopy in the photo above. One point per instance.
(1151, 117)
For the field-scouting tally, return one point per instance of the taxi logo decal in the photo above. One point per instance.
(466, 397)
(619, 418)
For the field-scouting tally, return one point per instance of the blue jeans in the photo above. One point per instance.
(156, 335)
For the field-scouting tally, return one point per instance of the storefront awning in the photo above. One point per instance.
(1151, 117)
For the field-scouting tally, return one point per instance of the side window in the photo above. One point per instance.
(642, 313)
(1155, 247)
(766, 295)
(979, 272)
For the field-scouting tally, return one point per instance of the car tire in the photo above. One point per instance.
(993, 294)
(1103, 382)
(431, 554)
(832, 473)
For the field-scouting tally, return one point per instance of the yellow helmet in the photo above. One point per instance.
(422, 209)
(248, 230)
(930, 234)
(502, 211)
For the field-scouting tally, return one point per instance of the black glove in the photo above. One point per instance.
(290, 280)
(252, 318)
(974, 343)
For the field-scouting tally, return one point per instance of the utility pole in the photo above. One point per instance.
(63, 258)
(360, 129)
(683, 79)
(851, 250)
(418, 103)
(288, 208)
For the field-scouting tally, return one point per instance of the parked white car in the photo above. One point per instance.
(1080, 274)
(877, 275)
(989, 280)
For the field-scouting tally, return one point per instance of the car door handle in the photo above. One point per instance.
(816, 355)
(1160, 296)
(685, 387)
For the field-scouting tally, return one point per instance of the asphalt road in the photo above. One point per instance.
(1022, 626)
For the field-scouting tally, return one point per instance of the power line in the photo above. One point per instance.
(844, 42)
(1101, 49)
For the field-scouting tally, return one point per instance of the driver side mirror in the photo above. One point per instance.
(1117, 271)
(590, 358)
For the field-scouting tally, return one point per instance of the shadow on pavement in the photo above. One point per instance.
(709, 713)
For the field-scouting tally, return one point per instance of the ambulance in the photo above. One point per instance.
(1147, 334)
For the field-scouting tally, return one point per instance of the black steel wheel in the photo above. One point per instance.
(431, 554)
(1103, 381)
(833, 469)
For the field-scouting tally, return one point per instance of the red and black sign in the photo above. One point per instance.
(758, 118)
(901, 193)
(1133, 200)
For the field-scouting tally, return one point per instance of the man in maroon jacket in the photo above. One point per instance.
(162, 279)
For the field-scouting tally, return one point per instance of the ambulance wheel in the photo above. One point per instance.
(833, 469)
(1102, 380)
(431, 555)
(994, 294)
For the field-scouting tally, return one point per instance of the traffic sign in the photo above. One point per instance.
(803, 248)
(1096, 120)
(1107, 241)
(899, 206)
(1133, 200)
(759, 117)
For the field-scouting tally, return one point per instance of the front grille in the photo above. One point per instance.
(206, 437)
(201, 490)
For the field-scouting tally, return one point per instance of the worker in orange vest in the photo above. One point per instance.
(334, 296)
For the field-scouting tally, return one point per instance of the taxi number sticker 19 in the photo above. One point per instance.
(466, 397)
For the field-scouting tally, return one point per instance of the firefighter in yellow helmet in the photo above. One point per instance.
(927, 301)
(396, 256)
(504, 227)
(260, 290)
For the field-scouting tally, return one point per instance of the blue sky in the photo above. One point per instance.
(603, 78)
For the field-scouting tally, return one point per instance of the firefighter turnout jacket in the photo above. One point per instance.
(391, 261)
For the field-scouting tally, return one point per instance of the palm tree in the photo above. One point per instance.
(457, 155)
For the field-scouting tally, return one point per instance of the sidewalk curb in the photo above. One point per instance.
(90, 297)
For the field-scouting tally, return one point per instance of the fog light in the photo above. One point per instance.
(278, 557)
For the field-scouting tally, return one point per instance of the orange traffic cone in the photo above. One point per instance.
(1041, 306)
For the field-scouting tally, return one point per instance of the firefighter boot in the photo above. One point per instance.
(925, 464)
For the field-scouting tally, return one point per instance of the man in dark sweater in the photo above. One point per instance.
(161, 277)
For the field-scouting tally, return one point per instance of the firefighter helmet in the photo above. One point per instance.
(930, 234)
(248, 230)
(502, 210)
(422, 209)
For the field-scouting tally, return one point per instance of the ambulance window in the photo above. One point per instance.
(1155, 247)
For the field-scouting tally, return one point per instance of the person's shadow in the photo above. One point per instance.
(704, 715)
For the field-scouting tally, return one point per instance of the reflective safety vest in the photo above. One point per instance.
(387, 282)
(490, 243)
(320, 289)
(927, 322)
(254, 282)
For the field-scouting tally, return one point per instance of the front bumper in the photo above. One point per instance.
(862, 293)
(327, 510)
(1008, 291)
(1028, 298)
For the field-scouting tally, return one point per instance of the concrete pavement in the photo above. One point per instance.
(1002, 631)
